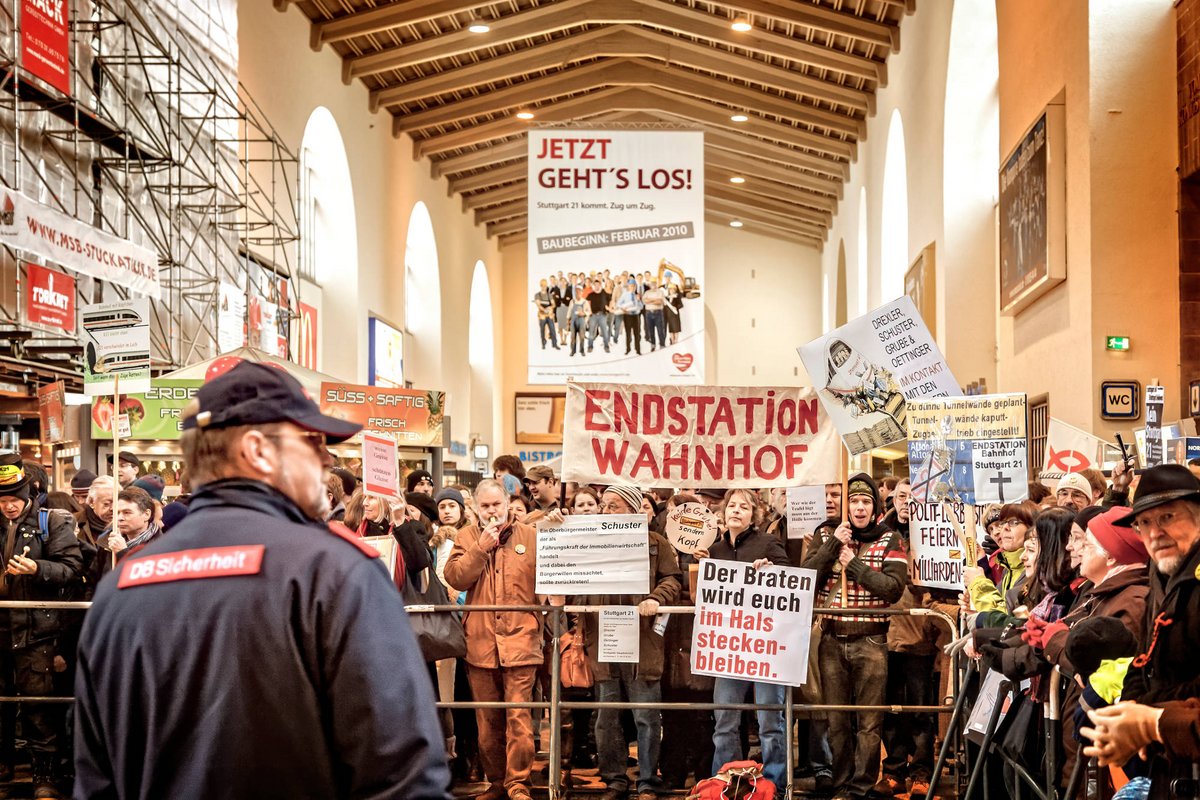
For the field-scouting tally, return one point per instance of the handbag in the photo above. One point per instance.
(574, 669)
(439, 634)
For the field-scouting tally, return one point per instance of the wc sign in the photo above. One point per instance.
(1120, 400)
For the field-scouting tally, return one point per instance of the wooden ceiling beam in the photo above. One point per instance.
(489, 177)
(628, 41)
(753, 212)
(490, 196)
(830, 174)
(771, 171)
(385, 16)
(513, 208)
(826, 20)
(623, 71)
(483, 157)
(511, 225)
(726, 193)
(760, 229)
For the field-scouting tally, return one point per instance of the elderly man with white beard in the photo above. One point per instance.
(1166, 515)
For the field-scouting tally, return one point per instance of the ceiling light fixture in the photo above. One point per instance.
(735, 223)
(523, 114)
(737, 179)
(479, 27)
(739, 117)
(741, 25)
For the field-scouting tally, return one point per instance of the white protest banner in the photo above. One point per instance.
(691, 527)
(725, 436)
(753, 624)
(30, 226)
(865, 371)
(380, 465)
(806, 510)
(594, 554)
(116, 340)
(968, 449)
(231, 317)
(936, 553)
(1155, 397)
(1069, 449)
(619, 634)
(616, 256)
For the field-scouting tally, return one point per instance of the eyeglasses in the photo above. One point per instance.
(315, 439)
(1160, 522)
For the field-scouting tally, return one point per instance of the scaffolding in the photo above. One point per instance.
(159, 144)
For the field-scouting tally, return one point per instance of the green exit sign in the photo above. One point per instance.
(1116, 342)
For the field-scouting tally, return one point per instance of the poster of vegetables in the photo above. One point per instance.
(157, 414)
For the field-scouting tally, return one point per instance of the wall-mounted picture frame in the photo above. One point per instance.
(539, 417)
(1033, 198)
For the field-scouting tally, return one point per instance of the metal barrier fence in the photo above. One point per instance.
(556, 705)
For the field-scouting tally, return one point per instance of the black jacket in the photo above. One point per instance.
(293, 673)
(57, 555)
(752, 545)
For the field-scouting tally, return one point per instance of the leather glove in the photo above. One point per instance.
(1120, 731)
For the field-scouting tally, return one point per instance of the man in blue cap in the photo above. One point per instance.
(254, 652)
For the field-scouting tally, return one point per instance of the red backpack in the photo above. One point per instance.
(737, 780)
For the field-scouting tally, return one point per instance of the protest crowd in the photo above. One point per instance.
(1083, 597)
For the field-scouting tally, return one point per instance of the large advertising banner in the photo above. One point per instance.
(45, 44)
(413, 416)
(156, 414)
(49, 298)
(616, 256)
(968, 449)
(30, 226)
(681, 437)
(753, 624)
(866, 370)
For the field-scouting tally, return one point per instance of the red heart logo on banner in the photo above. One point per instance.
(682, 361)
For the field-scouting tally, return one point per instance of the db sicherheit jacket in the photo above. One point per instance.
(206, 670)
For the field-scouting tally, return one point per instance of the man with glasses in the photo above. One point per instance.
(1166, 516)
(277, 645)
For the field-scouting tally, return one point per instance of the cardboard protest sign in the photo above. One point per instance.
(619, 635)
(806, 510)
(116, 344)
(691, 527)
(1069, 449)
(1155, 397)
(380, 465)
(866, 370)
(594, 554)
(936, 552)
(968, 449)
(753, 624)
(386, 547)
(731, 437)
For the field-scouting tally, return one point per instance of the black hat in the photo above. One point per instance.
(423, 503)
(253, 394)
(1159, 485)
(711, 492)
(415, 477)
(129, 458)
(1097, 639)
(449, 494)
(13, 480)
(83, 480)
(349, 482)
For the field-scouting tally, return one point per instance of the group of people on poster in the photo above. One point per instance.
(578, 308)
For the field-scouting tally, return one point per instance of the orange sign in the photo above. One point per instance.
(51, 402)
(413, 416)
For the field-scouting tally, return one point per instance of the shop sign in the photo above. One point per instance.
(45, 44)
(414, 417)
(306, 343)
(51, 402)
(49, 298)
(156, 414)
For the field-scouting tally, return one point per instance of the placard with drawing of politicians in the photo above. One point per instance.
(968, 450)
(865, 372)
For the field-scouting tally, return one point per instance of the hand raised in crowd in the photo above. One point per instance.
(846, 556)
(699, 553)
(648, 607)
(843, 533)
(1120, 731)
(1122, 476)
(399, 514)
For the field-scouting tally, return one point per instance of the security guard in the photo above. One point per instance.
(254, 652)
(41, 555)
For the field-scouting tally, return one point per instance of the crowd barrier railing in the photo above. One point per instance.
(555, 705)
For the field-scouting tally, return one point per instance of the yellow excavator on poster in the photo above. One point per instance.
(689, 287)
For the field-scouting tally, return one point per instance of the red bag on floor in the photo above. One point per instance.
(737, 780)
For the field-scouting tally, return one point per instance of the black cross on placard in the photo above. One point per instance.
(1000, 480)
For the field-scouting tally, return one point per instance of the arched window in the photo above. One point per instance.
(423, 296)
(328, 244)
(893, 239)
(481, 339)
(863, 254)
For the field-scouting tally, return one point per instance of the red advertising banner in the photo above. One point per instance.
(45, 45)
(49, 298)
(306, 341)
(413, 416)
(52, 400)
(686, 437)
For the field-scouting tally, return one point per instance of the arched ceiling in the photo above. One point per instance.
(805, 75)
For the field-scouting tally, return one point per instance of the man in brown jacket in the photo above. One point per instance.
(496, 566)
(636, 683)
